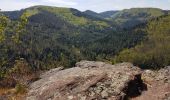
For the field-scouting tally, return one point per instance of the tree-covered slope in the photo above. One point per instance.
(71, 15)
(45, 37)
(108, 14)
(51, 37)
(92, 13)
(154, 52)
(129, 18)
(59, 37)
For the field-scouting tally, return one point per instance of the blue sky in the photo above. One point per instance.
(95, 5)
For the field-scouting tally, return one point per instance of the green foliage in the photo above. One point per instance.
(140, 12)
(3, 25)
(67, 14)
(108, 14)
(30, 12)
(11, 32)
(20, 26)
(20, 89)
(20, 67)
(129, 18)
(155, 51)
(48, 37)
(70, 15)
(94, 14)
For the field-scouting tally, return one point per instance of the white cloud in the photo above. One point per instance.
(96, 5)
(8, 5)
(63, 2)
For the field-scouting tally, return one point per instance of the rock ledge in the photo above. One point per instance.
(88, 80)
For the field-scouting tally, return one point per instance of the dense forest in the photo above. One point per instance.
(154, 50)
(43, 37)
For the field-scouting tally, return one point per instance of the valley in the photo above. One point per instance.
(39, 38)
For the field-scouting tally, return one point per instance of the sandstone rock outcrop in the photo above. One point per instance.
(88, 80)
(158, 84)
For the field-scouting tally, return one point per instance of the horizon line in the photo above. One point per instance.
(84, 10)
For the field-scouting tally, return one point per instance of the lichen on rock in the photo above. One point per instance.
(86, 81)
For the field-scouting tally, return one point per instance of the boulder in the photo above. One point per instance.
(88, 80)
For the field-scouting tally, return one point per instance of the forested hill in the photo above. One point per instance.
(129, 18)
(43, 37)
(154, 49)
(52, 36)
(59, 36)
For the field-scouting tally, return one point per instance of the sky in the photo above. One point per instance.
(95, 5)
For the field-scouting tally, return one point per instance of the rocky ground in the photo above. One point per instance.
(158, 85)
(90, 80)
